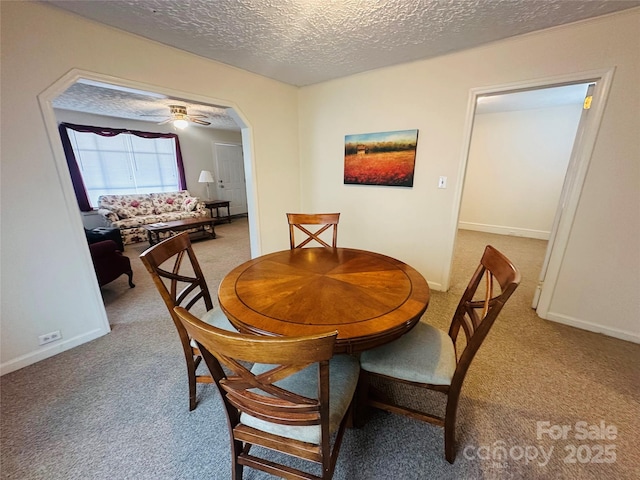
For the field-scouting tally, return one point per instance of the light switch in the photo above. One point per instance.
(442, 182)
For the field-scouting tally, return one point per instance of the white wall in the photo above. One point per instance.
(47, 282)
(196, 143)
(600, 273)
(516, 168)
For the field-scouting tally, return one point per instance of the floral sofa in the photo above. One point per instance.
(130, 212)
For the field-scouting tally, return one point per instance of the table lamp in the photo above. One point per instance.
(206, 177)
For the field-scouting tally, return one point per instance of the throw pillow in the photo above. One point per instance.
(122, 212)
(189, 203)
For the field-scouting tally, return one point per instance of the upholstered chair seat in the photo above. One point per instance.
(424, 355)
(217, 318)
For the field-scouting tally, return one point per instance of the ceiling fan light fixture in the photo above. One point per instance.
(179, 116)
(180, 123)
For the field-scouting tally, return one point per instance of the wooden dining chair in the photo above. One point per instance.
(293, 399)
(427, 357)
(300, 221)
(181, 283)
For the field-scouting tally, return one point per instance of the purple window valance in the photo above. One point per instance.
(74, 169)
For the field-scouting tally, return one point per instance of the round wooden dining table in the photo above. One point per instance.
(369, 298)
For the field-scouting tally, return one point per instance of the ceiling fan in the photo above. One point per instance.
(180, 118)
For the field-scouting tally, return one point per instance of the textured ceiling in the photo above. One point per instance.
(302, 42)
(115, 101)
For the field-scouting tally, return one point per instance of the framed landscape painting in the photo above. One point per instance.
(386, 158)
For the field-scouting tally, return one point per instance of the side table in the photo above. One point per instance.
(217, 204)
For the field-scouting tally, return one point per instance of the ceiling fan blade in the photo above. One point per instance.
(164, 122)
(197, 115)
(201, 122)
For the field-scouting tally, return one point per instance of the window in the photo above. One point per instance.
(124, 164)
(108, 161)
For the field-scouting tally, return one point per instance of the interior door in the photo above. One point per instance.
(231, 184)
(569, 180)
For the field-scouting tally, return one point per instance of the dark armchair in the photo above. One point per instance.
(99, 234)
(109, 262)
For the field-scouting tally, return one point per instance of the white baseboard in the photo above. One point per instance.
(49, 351)
(435, 286)
(502, 230)
(593, 327)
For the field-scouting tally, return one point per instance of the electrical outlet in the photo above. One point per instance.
(49, 337)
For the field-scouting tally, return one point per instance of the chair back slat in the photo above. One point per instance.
(177, 275)
(469, 321)
(301, 404)
(275, 410)
(300, 221)
(488, 294)
(476, 316)
(244, 380)
(176, 286)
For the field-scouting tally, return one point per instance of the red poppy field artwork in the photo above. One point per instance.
(386, 158)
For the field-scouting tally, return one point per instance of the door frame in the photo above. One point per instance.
(47, 97)
(45, 100)
(566, 188)
(579, 164)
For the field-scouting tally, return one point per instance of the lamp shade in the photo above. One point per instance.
(205, 177)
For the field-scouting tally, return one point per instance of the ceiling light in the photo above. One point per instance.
(180, 123)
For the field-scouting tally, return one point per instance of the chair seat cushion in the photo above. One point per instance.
(343, 378)
(424, 355)
(217, 318)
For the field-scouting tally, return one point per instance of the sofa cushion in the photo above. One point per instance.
(167, 202)
(170, 217)
(127, 206)
(140, 220)
(135, 205)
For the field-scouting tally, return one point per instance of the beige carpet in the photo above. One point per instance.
(143, 303)
(117, 407)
